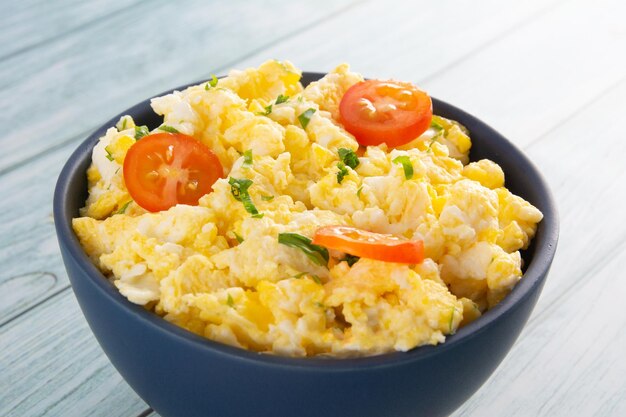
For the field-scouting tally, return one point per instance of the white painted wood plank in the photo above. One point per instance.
(522, 68)
(29, 254)
(52, 366)
(542, 73)
(569, 360)
(26, 24)
(62, 91)
(583, 160)
(571, 363)
(414, 40)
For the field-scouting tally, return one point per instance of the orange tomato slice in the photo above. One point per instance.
(370, 245)
(391, 112)
(165, 169)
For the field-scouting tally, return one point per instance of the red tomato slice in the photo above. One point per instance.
(165, 169)
(370, 245)
(391, 112)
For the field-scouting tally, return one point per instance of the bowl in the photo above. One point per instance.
(181, 374)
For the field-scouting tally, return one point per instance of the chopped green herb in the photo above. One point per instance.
(348, 157)
(267, 112)
(141, 131)
(230, 301)
(406, 165)
(108, 155)
(300, 275)
(320, 305)
(169, 129)
(116, 171)
(124, 123)
(451, 320)
(211, 83)
(300, 99)
(258, 215)
(247, 157)
(305, 117)
(430, 144)
(316, 279)
(239, 190)
(267, 197)
(122, 209)
(351, 259)
(315, 253)
(343, 171)
(439, 131)
(358, 192)
(281, 99)
(238, 237)
(436, 126)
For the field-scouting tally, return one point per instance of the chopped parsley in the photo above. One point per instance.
(211, 83)
(122, 209)
(168, 129)
(281, 99)
(348, 157)
(141, 131)
(343, 171)
(316, 279)
(305, 117)
(238, 237)
(300, 275)
(406, 165)
(439, 130)
(317, 254)
(239, 190)
(230, 301)
(247, 157)
(358, 192)
(320, 305)
(124, 120)
(267, 112)
(451, 320)
(351, 259)
(436, 126)
(108, 155)
(267, 197)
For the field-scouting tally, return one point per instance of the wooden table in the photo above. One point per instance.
(549, 74)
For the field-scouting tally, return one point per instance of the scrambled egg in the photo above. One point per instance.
(221, 273)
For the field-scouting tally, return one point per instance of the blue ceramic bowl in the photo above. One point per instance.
(180, 374)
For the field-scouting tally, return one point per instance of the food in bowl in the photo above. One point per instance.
(339, 219)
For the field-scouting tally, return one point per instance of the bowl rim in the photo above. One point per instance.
(534, 275)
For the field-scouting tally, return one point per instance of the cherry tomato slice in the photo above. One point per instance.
(391, 112)
(165, 169)
(370, 245)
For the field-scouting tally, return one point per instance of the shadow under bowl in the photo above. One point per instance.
(181, 374)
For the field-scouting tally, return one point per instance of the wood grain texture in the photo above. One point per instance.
(79, 81)
(35, 230)
(33, 247)
(57, 368)
(568, 361)
(542, 73)
(431, 44)
(554, 70)
(47, 21)
(527, 57)
(29, 254)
